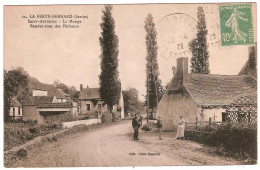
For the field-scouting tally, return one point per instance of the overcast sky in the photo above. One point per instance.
(72, 55)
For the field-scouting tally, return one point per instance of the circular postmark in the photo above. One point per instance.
(175, 31)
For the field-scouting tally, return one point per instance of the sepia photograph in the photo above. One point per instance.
(129, 85)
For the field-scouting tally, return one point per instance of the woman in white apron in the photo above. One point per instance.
(181, 127)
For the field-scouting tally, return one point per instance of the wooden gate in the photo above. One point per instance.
(243, 109)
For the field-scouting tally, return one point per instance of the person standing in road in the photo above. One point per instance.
(181, 128)
(159, 125)
(136, 126)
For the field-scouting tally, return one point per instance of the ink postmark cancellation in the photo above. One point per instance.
(236, 25)
(175, 31)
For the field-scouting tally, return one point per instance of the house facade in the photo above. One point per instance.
(91, 102)
(201, 95)
(47, 107)
(15, 111)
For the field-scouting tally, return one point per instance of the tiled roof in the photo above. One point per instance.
(89, 93)
(208, 89)
(35, 100)
(46, 102)
(52, 91)
(55, 105)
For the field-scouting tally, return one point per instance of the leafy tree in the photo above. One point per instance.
(110, 85)
(131, 101)
(153, 82)
(67, 89)
(198, 46)
(161, 90)
(252, 57)
(15, 85)
(76, 95)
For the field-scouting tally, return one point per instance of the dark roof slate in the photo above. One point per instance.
(52, 91)
(208, 89)
(46, 102)
(55, 105)
(35, 100)
(89, 93)
(217, 90)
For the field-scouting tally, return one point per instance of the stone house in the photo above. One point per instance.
(47, 106)
(91, 102)
(15, 111)
(201, 95)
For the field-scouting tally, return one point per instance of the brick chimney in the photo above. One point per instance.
(182, 70)
(81, 87)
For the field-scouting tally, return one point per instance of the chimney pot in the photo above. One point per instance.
(182, 70)
(81, 87)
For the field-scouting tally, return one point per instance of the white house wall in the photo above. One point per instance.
(121, 104)
(40, 93)
(16, 113)
(172, 106)
(217, 113)
(55, 100)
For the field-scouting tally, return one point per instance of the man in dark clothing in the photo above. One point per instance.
(135, 125)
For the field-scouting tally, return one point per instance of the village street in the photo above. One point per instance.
(113, 146)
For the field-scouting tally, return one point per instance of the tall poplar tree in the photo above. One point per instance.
(198, 46)
(153, 82)
(110, 85)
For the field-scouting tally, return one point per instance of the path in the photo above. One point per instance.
(114, 146)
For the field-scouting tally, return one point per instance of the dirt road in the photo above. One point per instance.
(114, 146)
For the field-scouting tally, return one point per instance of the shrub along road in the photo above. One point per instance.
(113, 145)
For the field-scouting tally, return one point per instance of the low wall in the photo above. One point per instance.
(66, 125)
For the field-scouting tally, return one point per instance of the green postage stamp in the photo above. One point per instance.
(236, 25)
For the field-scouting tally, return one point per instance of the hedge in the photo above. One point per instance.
(238, 140)
(16, 134)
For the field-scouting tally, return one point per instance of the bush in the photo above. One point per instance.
(146, 127)
(85, 117)
(18, 134)
(238, 140)
(106, 117)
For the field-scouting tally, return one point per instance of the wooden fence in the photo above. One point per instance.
(197, 125)
(198, 130)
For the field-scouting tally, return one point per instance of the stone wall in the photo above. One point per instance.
(93, 107)
(30, 113)
(66, 125)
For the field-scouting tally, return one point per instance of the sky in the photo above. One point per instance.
(72, 55)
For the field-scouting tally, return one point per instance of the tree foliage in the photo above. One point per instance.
(198, 46)
(131, 101)
(15, 85)
(252, 57)
(152, 68)
(110, 85)
(74, 94)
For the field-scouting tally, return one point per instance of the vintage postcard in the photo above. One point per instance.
(130, 85)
